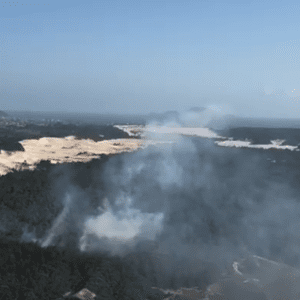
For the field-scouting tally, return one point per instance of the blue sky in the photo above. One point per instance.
(151, 56)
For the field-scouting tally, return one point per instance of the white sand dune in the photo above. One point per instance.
(62, 150)
(150, 131)
(138, 130)
(247, 144)
(70, 149)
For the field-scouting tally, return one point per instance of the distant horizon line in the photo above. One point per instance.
(138, 114)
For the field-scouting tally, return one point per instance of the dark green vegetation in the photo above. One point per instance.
(214, 207)
(30, 202)
(264, 135)
(30, 272)
(11, 134)
(3, 114)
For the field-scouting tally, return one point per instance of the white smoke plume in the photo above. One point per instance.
(59, 225)
(189, 198)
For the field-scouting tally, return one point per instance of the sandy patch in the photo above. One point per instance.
(187, 293)
(69, 149)
(139, 130)
(62, 150)
(247, 144)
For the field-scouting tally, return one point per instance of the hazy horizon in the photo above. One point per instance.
(140, 57)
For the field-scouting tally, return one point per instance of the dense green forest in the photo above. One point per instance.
(31, 272)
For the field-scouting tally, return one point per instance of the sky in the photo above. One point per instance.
(142, 56)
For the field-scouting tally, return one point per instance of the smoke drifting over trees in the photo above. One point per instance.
(171, 215)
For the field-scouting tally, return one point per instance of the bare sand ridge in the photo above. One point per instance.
(70, 149)
(65, 150)
(247, 144)
(138, 130)
(62, 150)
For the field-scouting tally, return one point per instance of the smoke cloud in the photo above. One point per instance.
(186, 198)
